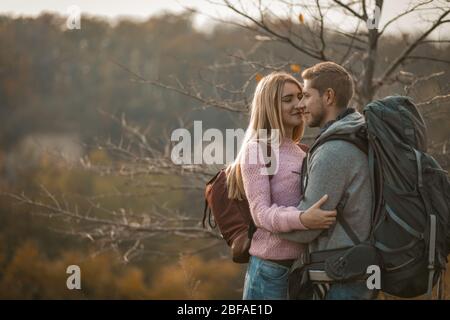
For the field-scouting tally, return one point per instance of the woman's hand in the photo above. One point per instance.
(316, 218)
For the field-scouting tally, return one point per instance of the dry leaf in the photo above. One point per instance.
(258, 77)
(295, 68)
(301, 18)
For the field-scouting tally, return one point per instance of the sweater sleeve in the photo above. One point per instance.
(266, 215)
(329, 173)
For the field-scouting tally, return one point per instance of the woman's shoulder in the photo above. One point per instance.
(253, 152)
(293, 148)
(261, 148)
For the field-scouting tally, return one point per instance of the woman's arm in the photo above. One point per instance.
(271, 217)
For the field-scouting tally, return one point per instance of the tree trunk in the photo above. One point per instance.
(367, 88)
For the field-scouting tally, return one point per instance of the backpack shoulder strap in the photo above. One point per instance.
(343, 222)
(207, 209)
(358, 139)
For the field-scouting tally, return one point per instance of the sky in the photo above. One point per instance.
(142, 9)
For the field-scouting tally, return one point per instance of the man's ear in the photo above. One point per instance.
(330, 97)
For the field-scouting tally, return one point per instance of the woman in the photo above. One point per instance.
(273, 198)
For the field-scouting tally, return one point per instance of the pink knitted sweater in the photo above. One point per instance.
(273, 201)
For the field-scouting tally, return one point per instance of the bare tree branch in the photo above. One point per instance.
(119, 225)
(412, 9)
(348, 8)
(234, 106)
(421, 79)
(410, 48)
(434, 100)
(427, 59)
(262, 25)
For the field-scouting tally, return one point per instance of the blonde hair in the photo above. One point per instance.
(265, 114)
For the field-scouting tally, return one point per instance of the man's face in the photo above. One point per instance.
(312, 104)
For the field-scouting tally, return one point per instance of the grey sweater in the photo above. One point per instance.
(337, 168)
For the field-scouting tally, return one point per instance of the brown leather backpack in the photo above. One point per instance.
(232, 216)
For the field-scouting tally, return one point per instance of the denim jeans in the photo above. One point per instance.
(265, 280)
(351, 291)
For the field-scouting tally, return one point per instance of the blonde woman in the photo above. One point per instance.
(273, 199)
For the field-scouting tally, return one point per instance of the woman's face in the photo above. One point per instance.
(290, 106)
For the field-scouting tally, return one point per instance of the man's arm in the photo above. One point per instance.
(328, 174)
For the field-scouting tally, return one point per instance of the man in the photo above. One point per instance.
(336, 167)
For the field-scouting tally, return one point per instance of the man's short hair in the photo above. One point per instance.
(327, 75)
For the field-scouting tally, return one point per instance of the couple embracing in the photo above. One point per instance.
(292, 219)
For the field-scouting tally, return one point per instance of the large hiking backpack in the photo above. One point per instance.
(411, 221)
(410, 230)
(232, 216)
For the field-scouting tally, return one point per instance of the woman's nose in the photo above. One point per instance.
(300, 104)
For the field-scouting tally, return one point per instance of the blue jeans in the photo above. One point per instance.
(265, 280)
(351, 291)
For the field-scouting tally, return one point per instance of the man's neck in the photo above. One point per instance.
(333, 114)
(342, 113)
